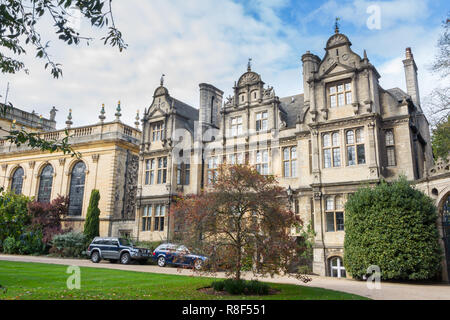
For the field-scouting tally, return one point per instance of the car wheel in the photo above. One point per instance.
(95, 257)
(125, 258)
(198, 264)
(161, 261)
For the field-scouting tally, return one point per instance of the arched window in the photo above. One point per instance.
(76, 192)
(337, 269)
(45, 184)
(17, 181)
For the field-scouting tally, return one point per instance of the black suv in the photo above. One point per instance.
(116, 249)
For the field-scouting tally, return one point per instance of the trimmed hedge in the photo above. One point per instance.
(392, 226)
(70, 244)
(235, 287)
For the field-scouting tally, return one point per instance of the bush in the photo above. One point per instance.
(31, 243)
(10, 245)
(236, 287)
(392, 226)
(92, 224)
(70, 244)
(14, 216)
(46, 217)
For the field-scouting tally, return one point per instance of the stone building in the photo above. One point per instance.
(343, 132)
(109, 163)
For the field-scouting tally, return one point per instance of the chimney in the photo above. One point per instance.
(412, 85)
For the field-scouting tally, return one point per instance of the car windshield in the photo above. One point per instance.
(183, 249)
(125, 242)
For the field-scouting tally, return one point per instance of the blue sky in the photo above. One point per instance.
(210, 41)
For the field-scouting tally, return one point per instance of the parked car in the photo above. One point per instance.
(116, 249)
(174, 254)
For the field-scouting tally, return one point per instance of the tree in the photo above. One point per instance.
(47, 217)
(243, 217)
(92, 223)
(438, 102)
(440, 140)
(393, 226)
(14, 216)
(20, 22)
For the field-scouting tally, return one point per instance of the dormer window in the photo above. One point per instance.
(339, 94)
(157, 131)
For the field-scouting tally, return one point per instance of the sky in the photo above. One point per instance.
(210, 41)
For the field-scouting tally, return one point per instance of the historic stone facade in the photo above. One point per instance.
(344, 131)
(109, 163)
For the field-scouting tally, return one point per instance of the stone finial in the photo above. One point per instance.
(53, 114)
(102, 114)
(137, 120)
(365, 55)
(118, 114)
(336, 25)
(162, 80)
(409, 55)
(249, 65)
(69, 119)
(13, 126)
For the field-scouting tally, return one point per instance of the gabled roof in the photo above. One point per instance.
(292, 106)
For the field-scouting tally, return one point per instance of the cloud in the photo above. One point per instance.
(207, 41)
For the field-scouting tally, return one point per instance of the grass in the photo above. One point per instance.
(37, 281)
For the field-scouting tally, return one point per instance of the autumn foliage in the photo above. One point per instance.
(243, 216)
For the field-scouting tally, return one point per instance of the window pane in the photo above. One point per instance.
(351, 156)
(333, 89)
(361, 155)
(294, 168)
(389, 138)
(330, 222)
(45, 184)
(337, 157)
(341, 100)
(286, 169)
(327, 158)
(76, 192)
(359, 136)
(330, 203)
(350, 137)
(333, 101)
(339, 221)
(17, 181)
(348, 87)
(340, 88)
(286, 154)
(294, 153)
(348, 97)
(326, 140)
(391, 156)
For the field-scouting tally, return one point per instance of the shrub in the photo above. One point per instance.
(14, 216)
(10, 245)
(392, 226)
(92, 224)
(70, 244)
(46, 217)
(235, 287)
(31, 243)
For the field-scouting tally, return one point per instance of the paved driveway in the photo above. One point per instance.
(388, 291)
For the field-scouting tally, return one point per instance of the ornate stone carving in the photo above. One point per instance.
(131, 177)
(440, 167)
(31, 164)
(317, 195)
(62, 161)
(95, 157)
(4, 166)
(249, 78)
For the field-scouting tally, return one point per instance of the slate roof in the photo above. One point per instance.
(292, 107)
(398, 93)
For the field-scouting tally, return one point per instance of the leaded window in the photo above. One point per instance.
(331, 150)
(45, 184)
(390, 148)
(290, 162)
(355, 147)
(157, 131)
(76, 192)
(236, 126)
(261, 121)
(17, 181)
(334, 211)
(340, 94)
(262, 162)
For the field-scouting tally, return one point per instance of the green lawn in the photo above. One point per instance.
(35, 281)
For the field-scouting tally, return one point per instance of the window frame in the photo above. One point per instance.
(346, 93)
(355, 145)
(236, 129)
(390, 147)
(334, 211)
(262, 124)
(157, 130)
(331, 149)
(262, 166)
(291, 162)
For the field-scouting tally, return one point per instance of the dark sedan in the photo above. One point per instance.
(173, 254)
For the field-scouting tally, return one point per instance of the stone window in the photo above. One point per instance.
(236, 126)
(262, 162)
(157, 131)
(150, 165)
(213, 165)
(390, 148)
(290, 162)
(339, 93)
(334, 213)
(17, 181)
(236, 158)
(76, 193)
(337, 269)
(147, 218)
(331, 150)
(261, 121)
(45, 184)
(355, 147)
(160, 212)
(183, 174)
(162, 170)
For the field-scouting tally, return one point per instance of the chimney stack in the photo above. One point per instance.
(412, 84)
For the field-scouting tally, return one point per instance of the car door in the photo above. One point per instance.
(115, 249)
(106, 249)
